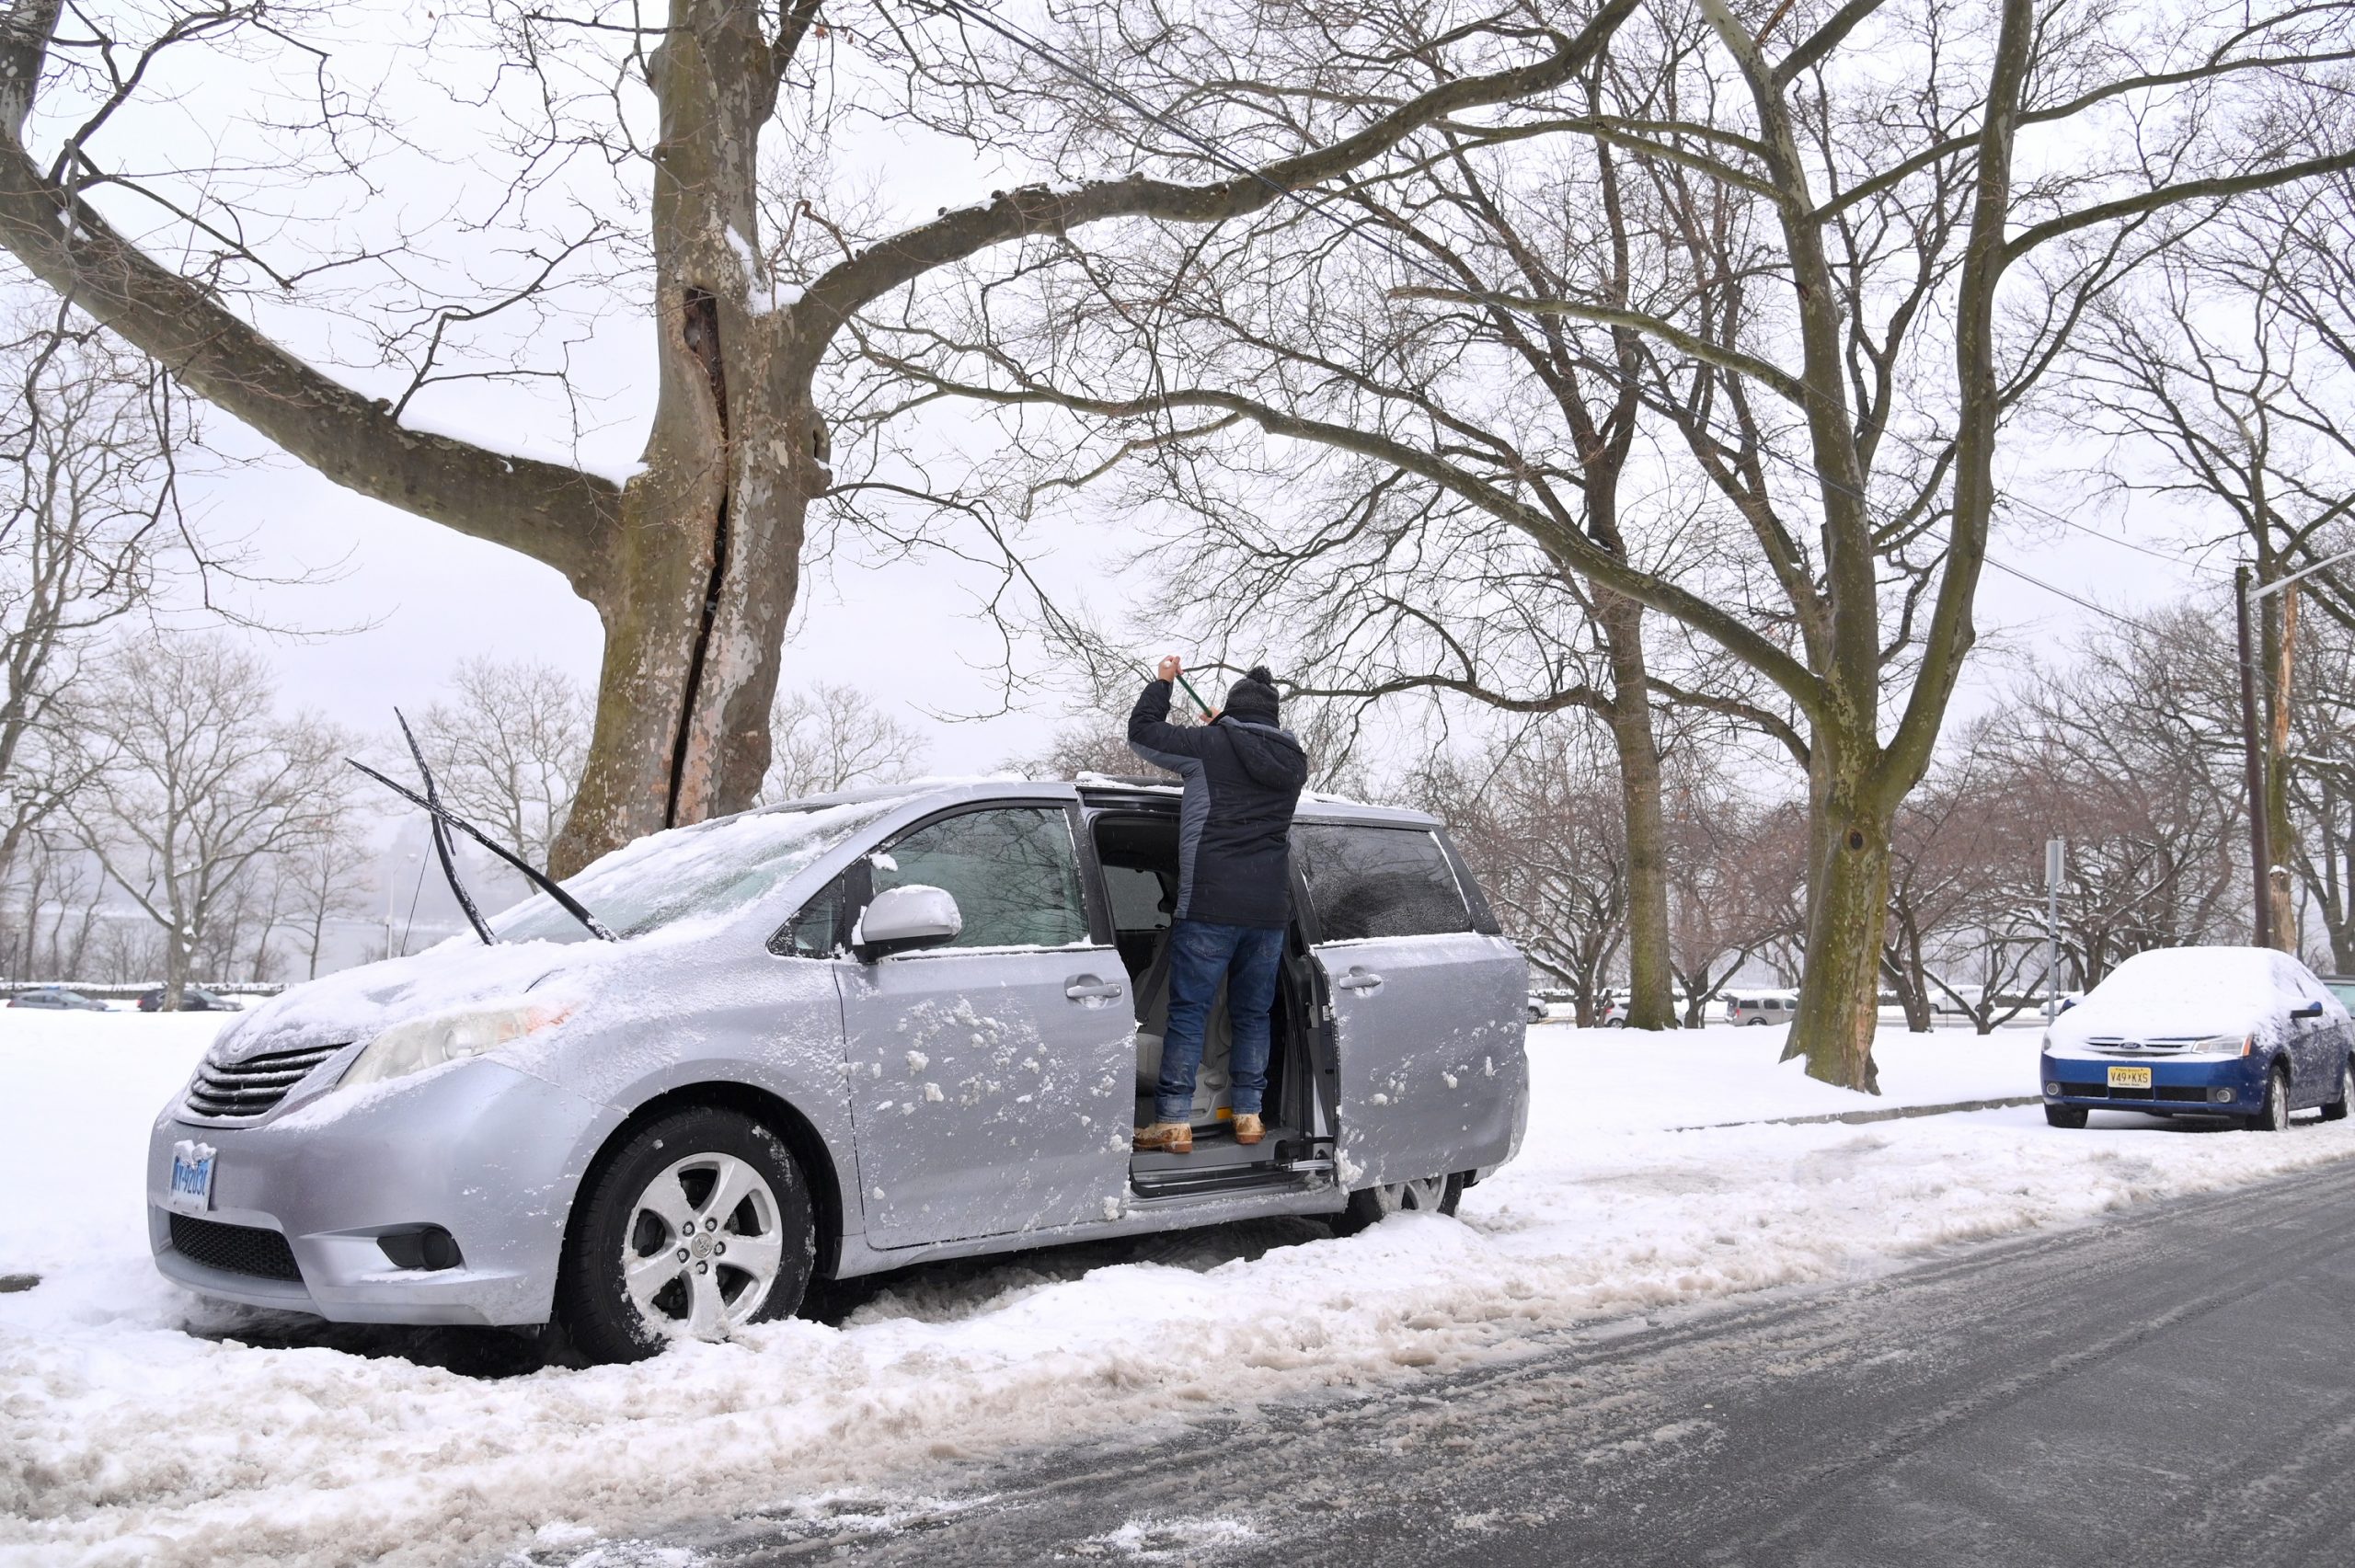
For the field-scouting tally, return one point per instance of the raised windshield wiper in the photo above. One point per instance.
(539, 878)
(442, 837)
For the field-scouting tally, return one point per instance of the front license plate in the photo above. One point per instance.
(191, 1188)
(2130, 1078)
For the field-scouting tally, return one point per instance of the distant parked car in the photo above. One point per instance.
(1538, 1011)
(57, 999)
(1760, 1010)
(2240, 1032)
(193, 998)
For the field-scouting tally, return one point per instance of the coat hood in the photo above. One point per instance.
(1272, 757)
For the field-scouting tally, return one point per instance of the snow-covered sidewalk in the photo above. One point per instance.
(129, 1438)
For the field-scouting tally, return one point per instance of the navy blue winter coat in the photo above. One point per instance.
(1243, 779)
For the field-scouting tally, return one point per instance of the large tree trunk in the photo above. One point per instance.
(699, 581)
(1847, 910)
(1650, 1002)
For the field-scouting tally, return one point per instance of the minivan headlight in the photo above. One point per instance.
(421, 1043)
(2222, 1045)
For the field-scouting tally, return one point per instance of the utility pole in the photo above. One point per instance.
(2054, 850)
(2260, 852)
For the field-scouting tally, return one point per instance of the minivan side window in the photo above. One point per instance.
(1368, 881)
(1012, 871)
(815, 932)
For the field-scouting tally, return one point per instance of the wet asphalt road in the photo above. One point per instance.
(2170, 1386)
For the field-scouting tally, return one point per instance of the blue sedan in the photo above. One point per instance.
(2245, 1032)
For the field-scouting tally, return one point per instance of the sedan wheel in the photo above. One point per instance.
(1432, 1195)
(2275, 1116)
(699, 1224)
(2336, 1110)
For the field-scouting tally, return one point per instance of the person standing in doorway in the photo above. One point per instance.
(1244, 774)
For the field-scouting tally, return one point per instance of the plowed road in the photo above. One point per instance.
(2170, 1386)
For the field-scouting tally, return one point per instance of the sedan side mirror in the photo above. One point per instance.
(904, 917)
(2311, 1009)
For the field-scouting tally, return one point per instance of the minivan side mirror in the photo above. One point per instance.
(2311, 1009)
(900, 918)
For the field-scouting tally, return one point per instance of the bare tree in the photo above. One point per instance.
(1868, 290)
(2225, 382)
(1539, 816)
(329, 875)
(2128, 752)
(746, 262)
(509, 750)
(833, 737)
(88, 519)
(203, 785)
(1736, 868)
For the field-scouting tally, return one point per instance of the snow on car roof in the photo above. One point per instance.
(2192, 992)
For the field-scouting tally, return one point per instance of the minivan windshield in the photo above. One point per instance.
(711, 869)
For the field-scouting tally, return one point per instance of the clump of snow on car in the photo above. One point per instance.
(2176, 993)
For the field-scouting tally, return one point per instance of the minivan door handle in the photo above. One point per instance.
(1358, 980)
(1082, 987)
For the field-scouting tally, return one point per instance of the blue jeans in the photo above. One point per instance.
(1199, 953)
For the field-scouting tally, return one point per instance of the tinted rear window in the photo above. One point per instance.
(1379, 881)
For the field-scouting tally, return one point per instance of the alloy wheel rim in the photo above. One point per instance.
(702, 1248)
(2277, 1101)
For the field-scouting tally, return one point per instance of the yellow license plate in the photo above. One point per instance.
(2130, 1078)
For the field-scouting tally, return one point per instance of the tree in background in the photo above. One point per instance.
(200, 786)
(681, 164)
(328, 875)
(832, 736)
(507, 749)
(1537, 813)
(89, 521)
(1869, 284)
(1737, 868)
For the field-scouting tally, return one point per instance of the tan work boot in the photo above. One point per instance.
(1249, 1129)
(1166, 1138)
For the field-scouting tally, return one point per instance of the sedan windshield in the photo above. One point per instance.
(710, 870)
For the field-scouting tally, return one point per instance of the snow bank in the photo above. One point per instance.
(145, 1427)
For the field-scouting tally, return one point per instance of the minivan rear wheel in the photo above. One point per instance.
(1432, 1195)
(700, 1224)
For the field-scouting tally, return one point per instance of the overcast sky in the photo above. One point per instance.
(400, 600)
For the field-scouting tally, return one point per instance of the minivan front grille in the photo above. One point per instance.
(234, 1249)
(233, 1090)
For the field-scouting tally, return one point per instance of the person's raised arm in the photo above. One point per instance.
(1150, 730)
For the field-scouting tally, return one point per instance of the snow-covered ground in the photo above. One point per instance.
(138, 1426)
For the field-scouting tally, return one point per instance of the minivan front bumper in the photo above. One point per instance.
(489, 1154)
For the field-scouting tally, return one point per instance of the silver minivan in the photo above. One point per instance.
(827, 1039)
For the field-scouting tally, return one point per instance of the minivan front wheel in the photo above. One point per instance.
(2336, 1110)
(1432, 1195)
(699, 1224)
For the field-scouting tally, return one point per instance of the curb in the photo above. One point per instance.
(1859, 1119)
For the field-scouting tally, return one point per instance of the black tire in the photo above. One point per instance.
(2275, 1115)
(2336, 1110)
(1370, 1205)
(2064, 1116)
(593, 1298)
